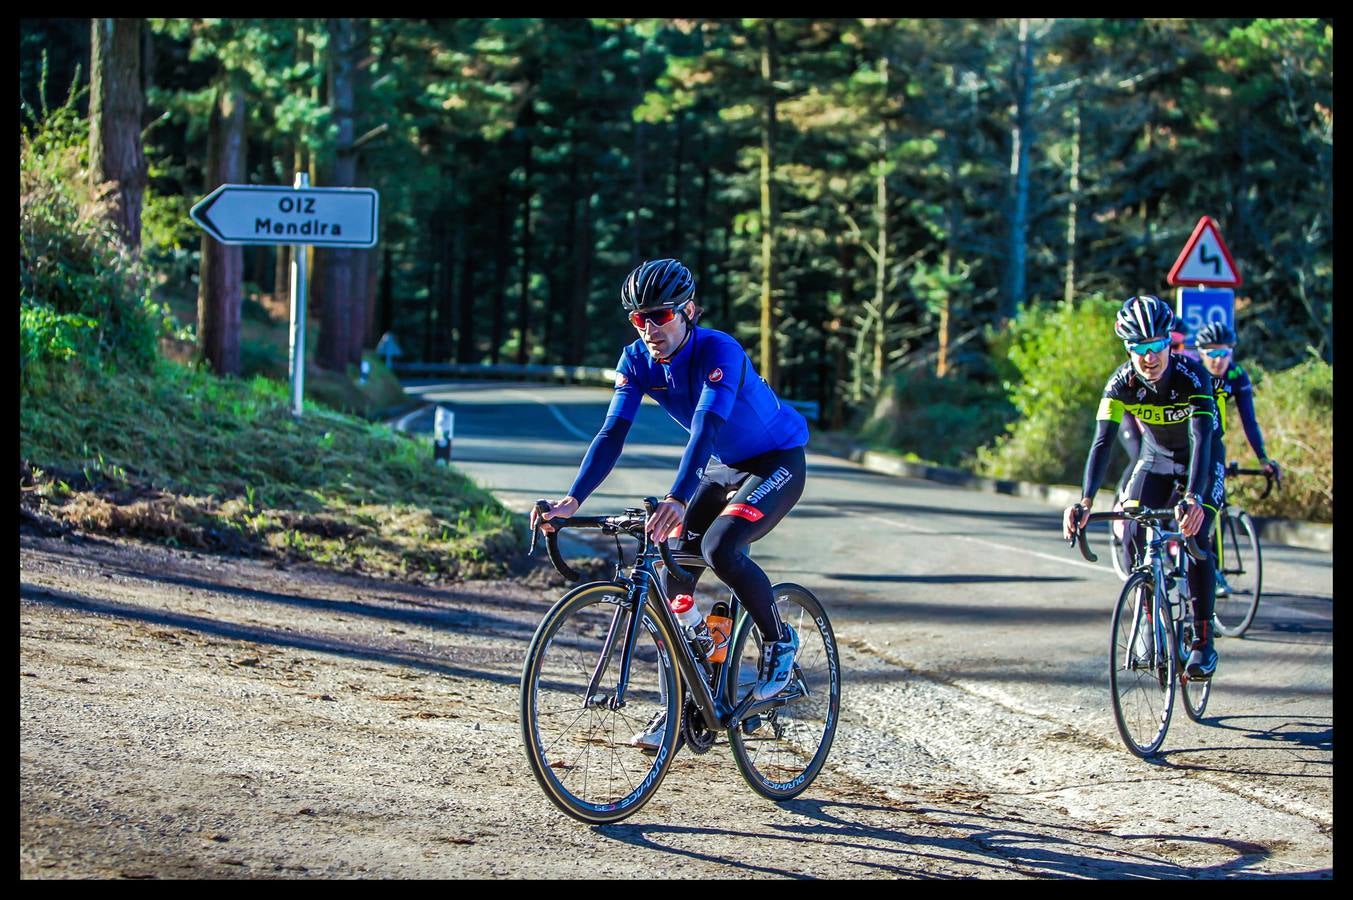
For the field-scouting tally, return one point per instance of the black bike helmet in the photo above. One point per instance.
(1143, 318)
(657, 284)
(1215, 333)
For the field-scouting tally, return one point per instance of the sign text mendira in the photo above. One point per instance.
(267, 214)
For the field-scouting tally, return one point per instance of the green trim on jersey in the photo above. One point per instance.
(1150, 413)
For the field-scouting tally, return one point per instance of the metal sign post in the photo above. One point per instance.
(298, 286)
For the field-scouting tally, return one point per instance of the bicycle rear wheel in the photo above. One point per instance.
(1141, 668)
(580, 751)
(1242, 569)
(780, 752)
(1195, 694)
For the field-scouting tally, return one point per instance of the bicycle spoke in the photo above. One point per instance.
(781, 757)
(579, 751)
(1142, 695)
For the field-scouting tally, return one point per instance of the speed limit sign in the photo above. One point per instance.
(1197, 307)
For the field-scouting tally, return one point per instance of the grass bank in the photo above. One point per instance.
(183, 457)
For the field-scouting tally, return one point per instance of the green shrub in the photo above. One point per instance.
(941, 420)
(1061, 356)
(1295, 410)
(73, 268)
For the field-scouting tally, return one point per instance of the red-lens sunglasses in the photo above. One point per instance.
(657, 317)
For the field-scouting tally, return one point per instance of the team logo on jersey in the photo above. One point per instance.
(716, 376)
(621, 380)
(1141, 394)
(776, 481)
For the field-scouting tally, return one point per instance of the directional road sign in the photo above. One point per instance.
(266, 214)
(1205, 259)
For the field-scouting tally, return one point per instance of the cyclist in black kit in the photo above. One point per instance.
(743, 440)
(1171, 396)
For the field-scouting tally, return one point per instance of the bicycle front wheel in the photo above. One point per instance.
(781, 751)
(1119, 551)
(1195, 694)
(578, 746)
(1242, 570)
(1141, 668)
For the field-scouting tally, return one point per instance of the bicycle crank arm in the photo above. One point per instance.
(750, 707)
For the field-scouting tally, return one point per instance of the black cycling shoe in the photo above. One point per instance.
(1202, 661)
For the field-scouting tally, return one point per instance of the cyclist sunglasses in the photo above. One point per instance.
(1156, 346)
(659, 317)
(1218, 352)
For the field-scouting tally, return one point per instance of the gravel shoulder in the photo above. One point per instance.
(185, 715)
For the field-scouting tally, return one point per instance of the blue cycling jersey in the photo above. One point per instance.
(710, 372)
(712, 390)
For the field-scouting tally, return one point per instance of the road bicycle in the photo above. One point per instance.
(1240, 562)
(1239, 559)
(610, 654)
(1151, 633)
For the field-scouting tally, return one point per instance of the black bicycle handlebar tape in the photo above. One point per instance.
(552, 548)
(552, 545)
(542, 506)
(1081, 543)
(1235, 469)
(680, 573)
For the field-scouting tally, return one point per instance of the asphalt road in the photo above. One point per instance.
(974, 594)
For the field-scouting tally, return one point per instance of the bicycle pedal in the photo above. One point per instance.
(751, 725)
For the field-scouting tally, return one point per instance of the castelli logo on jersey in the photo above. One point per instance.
(620, 379)
(716, 375)
(742, 511)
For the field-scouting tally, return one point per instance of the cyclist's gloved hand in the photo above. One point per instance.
(1190, 514)
(559, 509)
(1072, 518)
(1272, 468)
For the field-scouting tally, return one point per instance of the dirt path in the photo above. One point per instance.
(191, 716)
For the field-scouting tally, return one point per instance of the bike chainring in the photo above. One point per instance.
(698, 737)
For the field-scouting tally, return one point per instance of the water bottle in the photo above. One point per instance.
(688, 614)
(720, 630)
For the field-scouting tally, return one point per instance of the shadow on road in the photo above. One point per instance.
(432, 662)
(887, 840)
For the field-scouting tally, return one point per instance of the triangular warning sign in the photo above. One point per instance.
(1205, 259)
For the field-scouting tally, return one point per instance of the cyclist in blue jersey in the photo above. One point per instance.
(1170, 395)
(1216, 346)
(743, 442)
(1234, 392)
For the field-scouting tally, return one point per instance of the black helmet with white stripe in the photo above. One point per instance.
(1143, 318)
(657, 284)
(1215, 333)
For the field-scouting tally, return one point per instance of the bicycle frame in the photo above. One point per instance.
(1163, 611)
(715, 713)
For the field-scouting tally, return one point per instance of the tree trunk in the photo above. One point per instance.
(881, 258)
(1074, 190)
(115, 105)
(386, 314)
(1021, 135)
(465, 350)
(524, 296)
(500, 272)
(336, 282)
(702, 236)
(679, 139)
(768, 367)
(222, 267)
